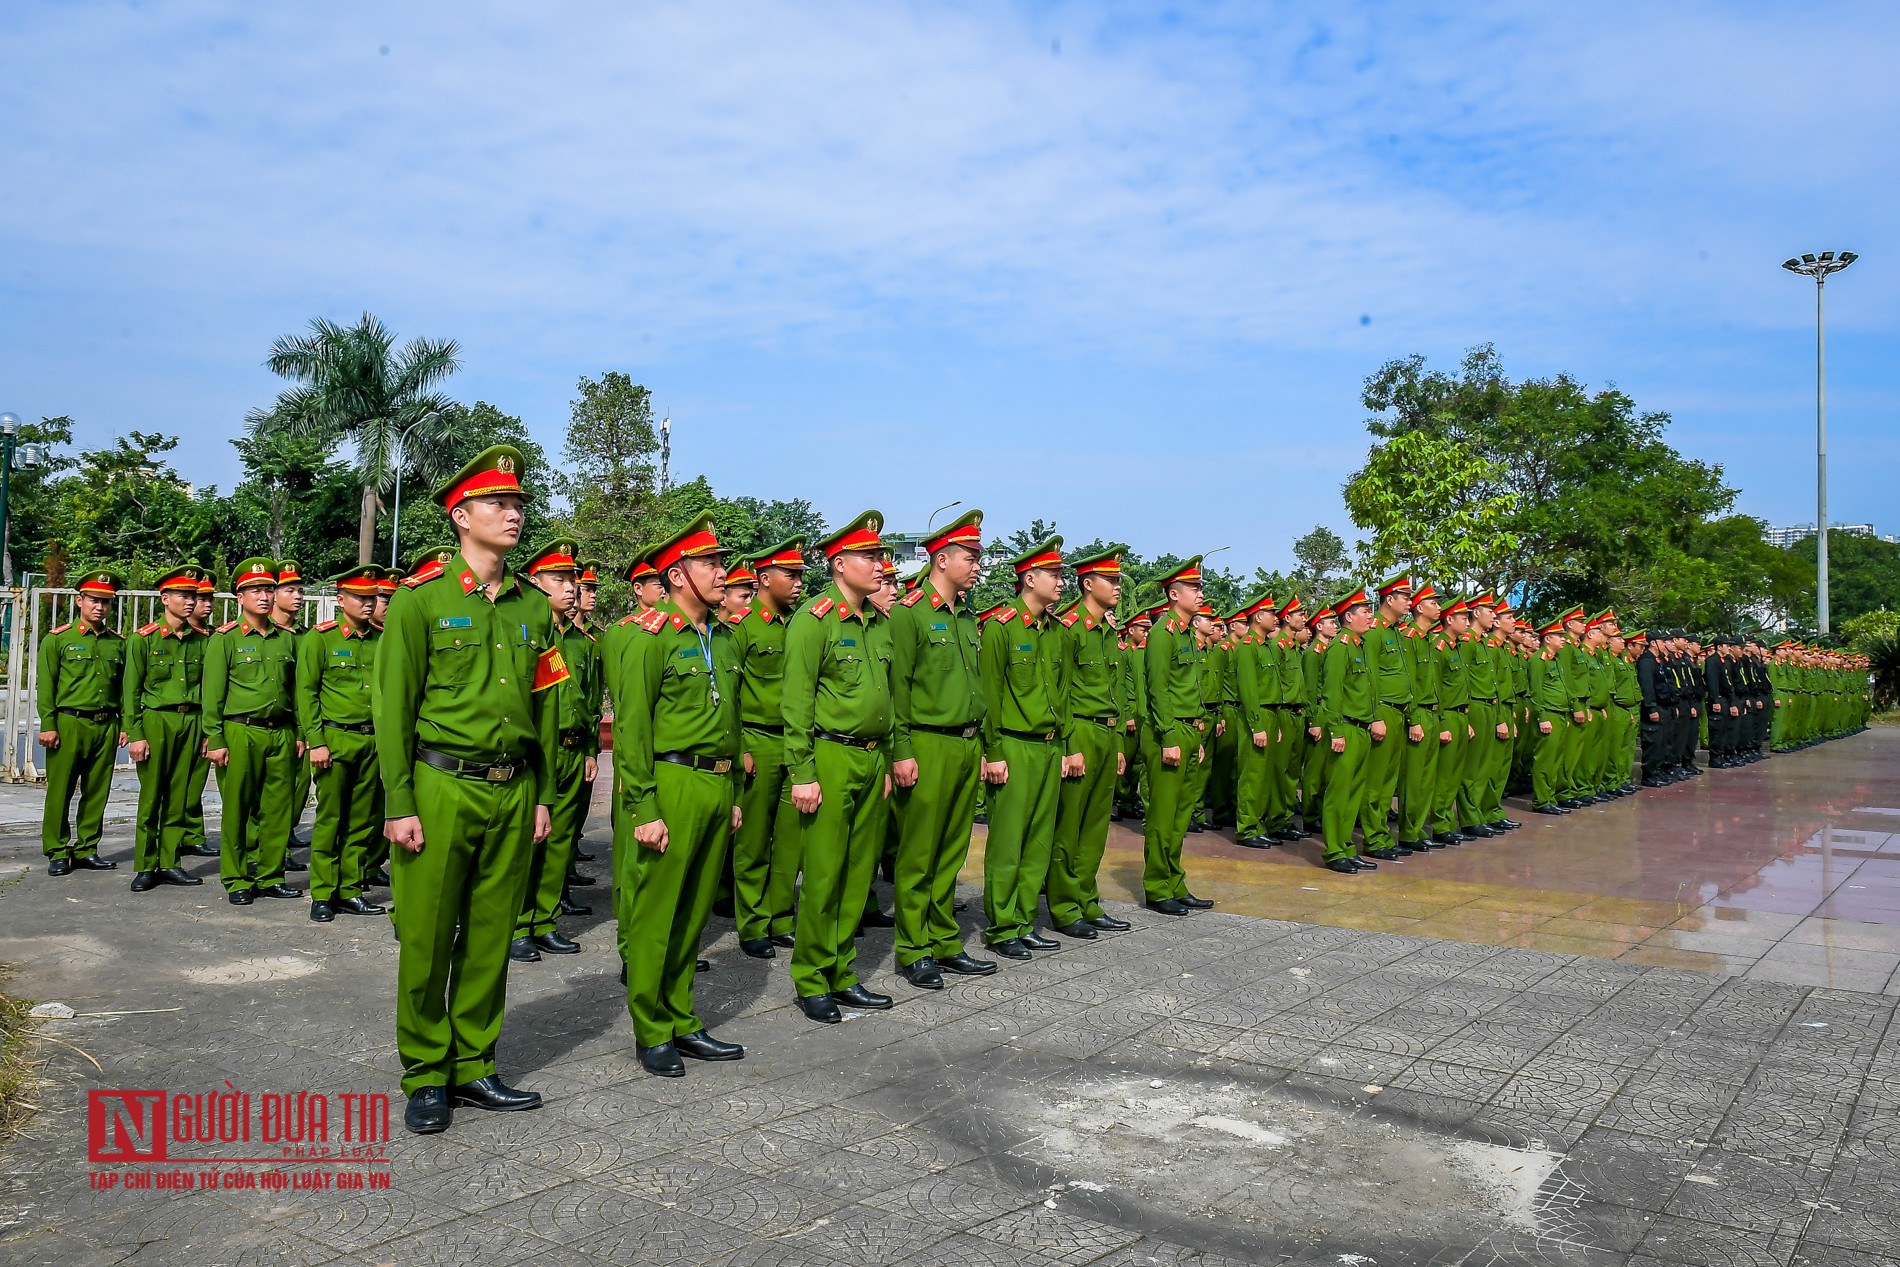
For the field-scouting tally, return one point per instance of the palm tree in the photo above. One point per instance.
(353, 384)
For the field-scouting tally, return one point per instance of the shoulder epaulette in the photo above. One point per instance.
(228, 626)
(1068, 621)
(63, 628)
(913, 598)
(652, 620)
(629, 618)
(324, 627)
(426, 574)
(736, 617)
(149, 628)
(589, 635)
(820, 606)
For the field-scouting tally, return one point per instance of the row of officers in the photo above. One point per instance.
(776, 746)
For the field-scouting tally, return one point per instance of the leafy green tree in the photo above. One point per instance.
(1322, 555)
(34, 505)
(354, 384)
(1863, 575)
(609, 476)
(1861, 632)
(1435, 508)
(294, 502)
(125, 507)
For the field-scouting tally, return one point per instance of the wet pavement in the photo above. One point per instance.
(1222, 1089)
(1785, 870)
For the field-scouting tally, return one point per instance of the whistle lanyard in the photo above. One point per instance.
(705, 651)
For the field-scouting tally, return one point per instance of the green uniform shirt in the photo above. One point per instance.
(1423, 658)
(1577, 672)
(1214, 673)
(1137, 680)
(1311, 659)
(1391, 664)
(936, 665)
(1624, 689)
(1091, 670)
(1454, 672)
(1171, 669)
(1481, 667)
(466, 677)
(335, 675)
(1601, 676)
(1348, 685)
(758, 650)
(676, 690)
(1257, 681)
(80, 670)
(837, 678)
(162, 670)
(1022, 686)
(1550, 695)
(581, 694)
(1291, 661)
(250, 671)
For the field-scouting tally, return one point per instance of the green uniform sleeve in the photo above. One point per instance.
(132, 687)
(308, 693)
(1247, 683)
(400, 663)
(547, 723)
(804, 647)
(993, 662)
(217, 676)
(1332, 686)
(638, 695)
(904, 632)
(47, 683)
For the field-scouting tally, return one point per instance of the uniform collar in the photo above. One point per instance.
(459, 569)
(936, 598)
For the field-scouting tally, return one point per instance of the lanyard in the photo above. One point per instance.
(705, 651)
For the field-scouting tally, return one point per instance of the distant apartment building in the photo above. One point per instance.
(1785, 537)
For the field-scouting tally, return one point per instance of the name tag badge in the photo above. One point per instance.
(454, 622)
(847, 642)
(1025, 646)
(344, 652)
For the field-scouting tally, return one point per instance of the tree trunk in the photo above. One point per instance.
(366, 526)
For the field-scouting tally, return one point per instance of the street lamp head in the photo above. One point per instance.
(1822, 266)
(9, 423)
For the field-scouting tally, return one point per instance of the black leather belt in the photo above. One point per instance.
(1481, 700)
(90, 714)
(258, 720)
(1100, 721)
(354, 728)
(173, 708)
(1032, 736)
(770, 728)
(849, 741)
(693, 761)
(573, 738)
(1452, 708)
(1354, 721)
(955, 732)
(496, 772)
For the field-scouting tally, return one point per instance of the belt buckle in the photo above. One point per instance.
(499, 773)
(722, 766)
(870, 745)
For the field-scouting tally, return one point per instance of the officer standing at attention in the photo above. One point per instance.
(836, 708)
(336, 663)
(1391, 665)
(1175, 734)
(287, 612)
(554, 570)
(196, 846)
(164, 669)
(465, 734)
(676, 765)
(1550, 705)
(937, 705)
(80, 687)
(1418, 767)
(765, 846)
(1091, 667)
(1257, 687)
(584, 623)
(251, 736)
(1348, 715)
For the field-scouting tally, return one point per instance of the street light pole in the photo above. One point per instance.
(402, 457)
(1819, 267)
(9, 434)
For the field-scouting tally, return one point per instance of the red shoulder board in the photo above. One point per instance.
(820, 607)
(736, 617)
(911, 599)
(549, 668)
(652, 620)
(149, 628)
(677, 621)
(326, 625)
(629, 618)
(63, 628)
(1069, 620)
(228, 626)
(428, 572)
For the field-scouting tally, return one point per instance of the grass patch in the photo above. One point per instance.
(18, 1070)
(1890, 717)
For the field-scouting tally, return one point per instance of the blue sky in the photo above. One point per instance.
(1117, 265)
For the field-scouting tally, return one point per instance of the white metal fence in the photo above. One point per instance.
(28, 615)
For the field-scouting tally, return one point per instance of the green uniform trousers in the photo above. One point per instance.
(459, 896)
(1346, 801)
(349, 816)
(1451, 770)
(1257, 806)
(1083, 805)
(664, 899)
(765, 851)
(1503, 752)
(300, 790)
(1313, 770)
(255, 785)
(1201, 774)
(1487, 758)
(1128, 789)
(1571, 779)
(935, 816)
(1547, 762)
(1223, 770)
(165, 787)
(548, 861)
(82, 761)
(1619, 733)
(1418, 783)
(1165, 826)
(1382, 776)
(195, 798)
(1022, 837)
(840, 845)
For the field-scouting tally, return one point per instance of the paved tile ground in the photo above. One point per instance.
(1221, 1089)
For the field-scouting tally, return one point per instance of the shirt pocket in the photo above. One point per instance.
(845, 664)
(1022, 669)
(766, 664)
(452, 657)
